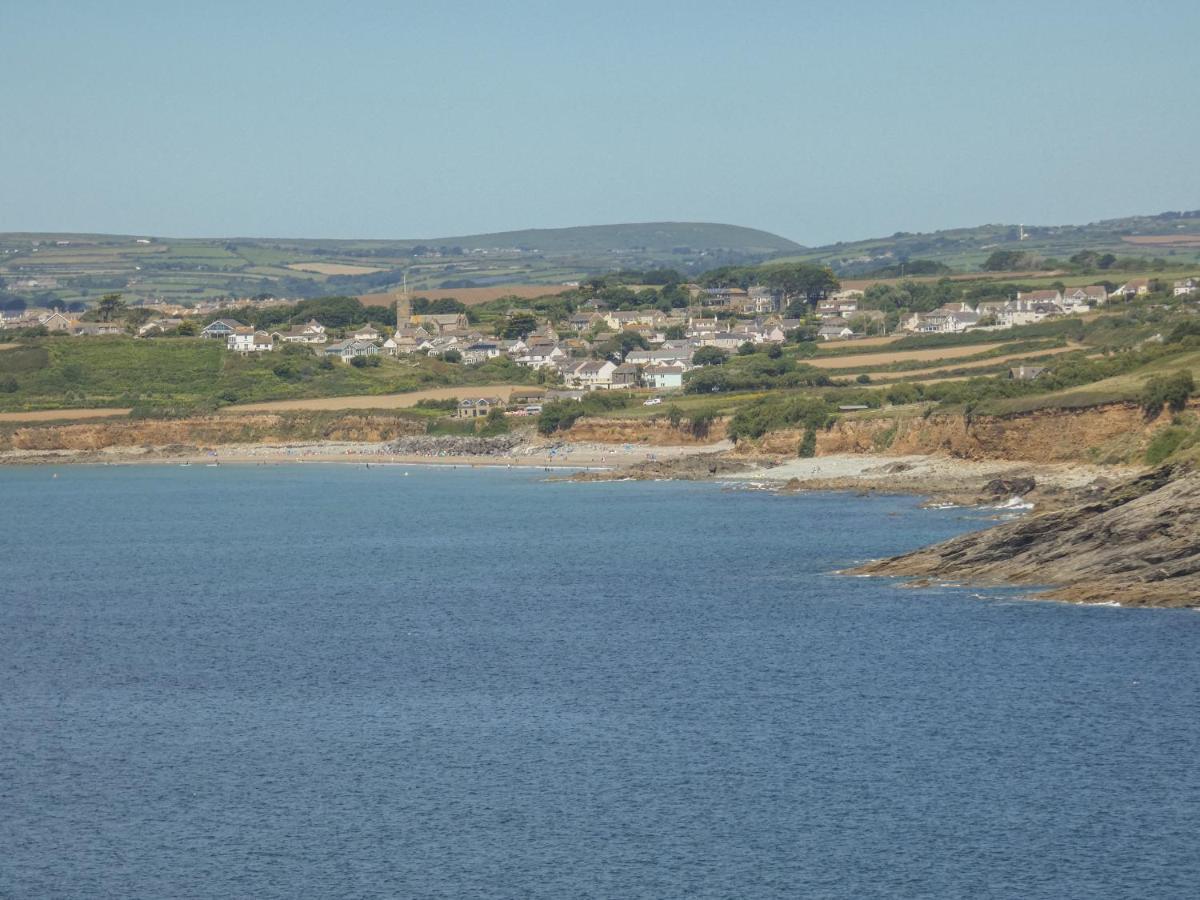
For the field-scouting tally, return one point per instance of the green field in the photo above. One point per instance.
(193, 373)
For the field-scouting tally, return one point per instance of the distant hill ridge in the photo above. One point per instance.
(580, 239)
(1166, 234)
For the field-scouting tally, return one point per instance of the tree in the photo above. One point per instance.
(676, 333)
(805, 280)
(618, 346)
(452, 356)
(519, 325)
(109, 306)
(709, 356)
(188, 328)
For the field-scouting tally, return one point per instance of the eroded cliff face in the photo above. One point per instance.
(207, 431)
(1139, 545)
(1113, 433)
(658, 433)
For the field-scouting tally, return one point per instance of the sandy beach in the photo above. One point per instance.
(548, 455)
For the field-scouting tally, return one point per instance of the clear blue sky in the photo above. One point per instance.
(820, 121)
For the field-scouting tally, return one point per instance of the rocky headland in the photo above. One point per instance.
(1137, 544)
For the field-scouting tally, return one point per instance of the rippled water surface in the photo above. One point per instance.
(332, 681)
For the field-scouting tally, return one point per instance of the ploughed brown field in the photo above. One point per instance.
(50, 415)
(470, 296)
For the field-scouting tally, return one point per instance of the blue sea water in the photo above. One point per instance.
(332, 681)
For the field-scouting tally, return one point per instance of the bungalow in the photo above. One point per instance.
(481, 351)
(350, 349)
(94, 329)
(366, 333)
(477, 408)
(158, 326)
(1186, 288)
(663, 378)
(247, 340)
(1136, 287)
(834, 333)
(220, 328)
(300, 336)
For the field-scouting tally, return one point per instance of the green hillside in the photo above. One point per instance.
(1173, 236)
(79, 267)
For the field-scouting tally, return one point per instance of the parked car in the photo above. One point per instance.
(653, 401)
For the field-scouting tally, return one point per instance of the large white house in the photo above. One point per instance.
(246, 340)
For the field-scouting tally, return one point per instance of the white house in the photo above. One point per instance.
(663, 378)
(1186, 288)
(366, 333)
(541, 356)
(591, 374)
(246, 340)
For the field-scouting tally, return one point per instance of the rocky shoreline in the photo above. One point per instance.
(1138, 544)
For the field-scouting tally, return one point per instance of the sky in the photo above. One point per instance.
(819, 121)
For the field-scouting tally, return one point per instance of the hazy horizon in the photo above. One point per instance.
(818, 123)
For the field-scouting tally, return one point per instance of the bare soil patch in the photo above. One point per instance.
(51, 415)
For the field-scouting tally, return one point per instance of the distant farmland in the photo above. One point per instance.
(471, 296)
(335, 268)
(1164, 240)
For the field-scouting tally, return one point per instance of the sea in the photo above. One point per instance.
(412, 681)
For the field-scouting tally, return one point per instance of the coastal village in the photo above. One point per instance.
(664, 346)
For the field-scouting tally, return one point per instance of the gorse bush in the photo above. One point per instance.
(1171, 391)
(773, 414)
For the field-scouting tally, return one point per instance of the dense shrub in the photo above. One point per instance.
(771, 414)
(559, 416)
(1171, 391)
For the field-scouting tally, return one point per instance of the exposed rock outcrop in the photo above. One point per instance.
(1138, 545)
(696, 467)
(460, 445)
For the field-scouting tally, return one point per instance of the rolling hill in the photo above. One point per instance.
(1174, 236)
(82, 266)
